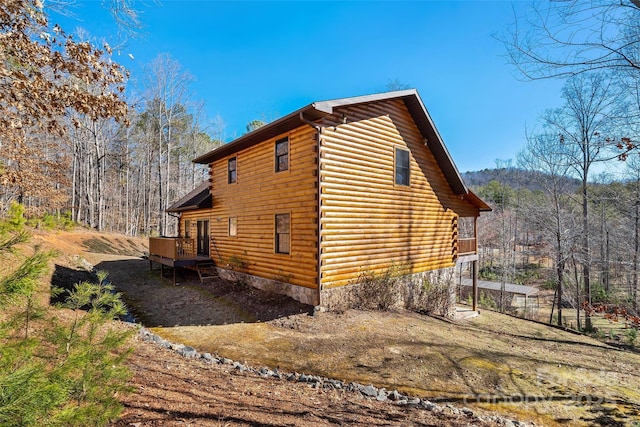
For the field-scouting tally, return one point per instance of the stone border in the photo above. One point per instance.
(314, 381)
(368, 391)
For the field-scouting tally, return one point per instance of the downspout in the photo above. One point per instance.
(318, 129)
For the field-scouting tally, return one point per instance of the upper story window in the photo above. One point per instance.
(402, 168)
(232, 174)
(282, 154)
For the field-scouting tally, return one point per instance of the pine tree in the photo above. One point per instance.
(61, 373)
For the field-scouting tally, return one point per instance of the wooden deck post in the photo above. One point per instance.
(474, 280)
(474, 267)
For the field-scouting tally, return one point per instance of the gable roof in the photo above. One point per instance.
(475, 200)
(199, 197)
(317, 110)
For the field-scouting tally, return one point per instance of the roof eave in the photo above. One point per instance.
(271, 130)
(317, 110)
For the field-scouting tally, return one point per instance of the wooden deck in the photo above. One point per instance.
(467, 246)
(174, 252)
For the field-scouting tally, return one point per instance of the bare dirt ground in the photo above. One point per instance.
(494, 363)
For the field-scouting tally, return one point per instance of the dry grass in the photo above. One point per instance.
(493, 362)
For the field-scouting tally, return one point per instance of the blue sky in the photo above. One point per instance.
(262, 60)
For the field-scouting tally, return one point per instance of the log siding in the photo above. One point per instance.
(259, 195)
(369, 222)
(335, 178)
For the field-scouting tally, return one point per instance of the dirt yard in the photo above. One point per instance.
(493, 363)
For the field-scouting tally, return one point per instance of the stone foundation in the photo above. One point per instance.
(407, 286)
(299, 293)
(345, 297)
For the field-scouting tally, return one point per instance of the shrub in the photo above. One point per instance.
(630, 336)
(429, 293)
(379, 291)
(430, 296)
(238, 267)
(599, 294)
(53, 221)
(549, 285)
(486, 301)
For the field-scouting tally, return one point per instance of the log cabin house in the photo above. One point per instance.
(305, 204)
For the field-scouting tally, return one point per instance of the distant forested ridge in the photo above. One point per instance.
(513, 177)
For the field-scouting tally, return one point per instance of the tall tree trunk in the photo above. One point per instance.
(636, 252)
(586, 262)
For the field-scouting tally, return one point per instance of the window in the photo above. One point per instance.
(187, 228)
(282, 154)
(402, 167)
(283, 233)
(232, 173)
(233, 226)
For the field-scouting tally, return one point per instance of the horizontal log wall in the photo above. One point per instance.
(259, 194)
(368, 222)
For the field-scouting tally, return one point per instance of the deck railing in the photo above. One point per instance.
(467, 246)
(172, 247)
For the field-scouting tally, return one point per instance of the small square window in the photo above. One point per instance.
(282, 155)
(233, 226)
(232, 173)
(402, 167)
(283, 233)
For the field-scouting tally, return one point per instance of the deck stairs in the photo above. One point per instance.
(206, 270)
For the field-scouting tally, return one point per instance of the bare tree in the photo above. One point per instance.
(586, 128)
(566, 38)
(165, 108)
(551, 214)
(43, 72)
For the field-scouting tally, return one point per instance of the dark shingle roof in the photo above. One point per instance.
(198, 198)
(318, 110)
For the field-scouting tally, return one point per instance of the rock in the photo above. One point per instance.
(265, 372)
(369, 391)
(429, 406)
(354, 387)
(187, 351)
(414, 402)
(292, 377)
(309, 379)
(207, 356)
(394, 395)
(336, 384)
(451, 410)
(304, 378)
(468, 412)
(227, 361)
(382, 395)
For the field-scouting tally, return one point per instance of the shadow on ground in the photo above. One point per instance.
(64, 279)
(155, 301)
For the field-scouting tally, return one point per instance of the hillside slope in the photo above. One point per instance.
(492, 363)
